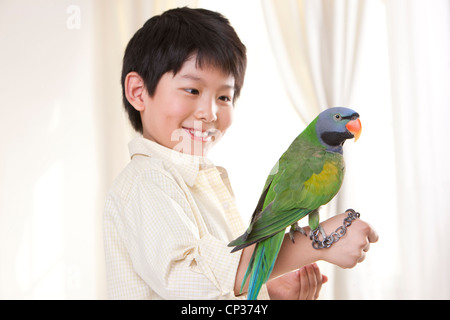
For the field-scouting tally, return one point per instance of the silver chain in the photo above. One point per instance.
(336, 235)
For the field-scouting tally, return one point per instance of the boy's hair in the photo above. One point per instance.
(166, 41)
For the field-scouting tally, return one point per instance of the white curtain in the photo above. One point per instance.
(419, 51)
(317, 48)
(390, 61)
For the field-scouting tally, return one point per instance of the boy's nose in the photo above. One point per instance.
(207, 111)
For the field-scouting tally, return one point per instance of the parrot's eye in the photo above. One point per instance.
(337, 116)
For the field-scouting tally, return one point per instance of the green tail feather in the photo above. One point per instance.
(261, 264)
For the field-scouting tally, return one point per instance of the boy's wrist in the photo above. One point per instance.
(324, 241)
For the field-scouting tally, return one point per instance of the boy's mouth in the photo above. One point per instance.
(198, 135)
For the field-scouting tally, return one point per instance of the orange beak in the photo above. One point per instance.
(354, 127)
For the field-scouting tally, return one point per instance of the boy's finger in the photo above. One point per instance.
(304, 284)
(317, 272)
(318, 279)
(313, 281)
(373, 235)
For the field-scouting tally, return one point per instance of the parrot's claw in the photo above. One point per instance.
(296, 227)
(313, 233)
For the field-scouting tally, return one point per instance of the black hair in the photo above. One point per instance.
(166, 41)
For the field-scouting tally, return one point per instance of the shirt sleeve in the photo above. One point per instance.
(165, 245)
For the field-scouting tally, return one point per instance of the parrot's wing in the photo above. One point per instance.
(293, 166)
(267, 225)
(302, 184)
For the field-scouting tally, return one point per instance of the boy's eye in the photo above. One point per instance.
(225, 98)
(192, 91)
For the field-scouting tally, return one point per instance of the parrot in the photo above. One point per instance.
(307, 176)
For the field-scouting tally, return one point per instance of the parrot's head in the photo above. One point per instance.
(335, 125)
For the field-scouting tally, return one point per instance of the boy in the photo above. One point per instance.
(171, 213)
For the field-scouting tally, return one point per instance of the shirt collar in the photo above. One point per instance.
(187, 165)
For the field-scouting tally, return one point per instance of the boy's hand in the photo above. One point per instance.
(302, 284)
(345, 253)
(350, 249)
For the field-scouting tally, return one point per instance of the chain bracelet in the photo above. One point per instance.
(336, 235)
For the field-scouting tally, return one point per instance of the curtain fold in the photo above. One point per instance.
(317, 48)
(419, 52)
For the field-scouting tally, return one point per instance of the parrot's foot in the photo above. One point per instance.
(296, 227)
(313, 233)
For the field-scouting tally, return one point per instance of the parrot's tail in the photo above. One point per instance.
(261, 264)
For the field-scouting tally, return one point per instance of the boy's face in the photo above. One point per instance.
(190, 111)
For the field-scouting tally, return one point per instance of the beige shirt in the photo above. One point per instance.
(167, 221)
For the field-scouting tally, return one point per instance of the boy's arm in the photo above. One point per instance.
(291, 256)
(346, 253)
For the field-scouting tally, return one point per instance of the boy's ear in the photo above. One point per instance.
(134, 90)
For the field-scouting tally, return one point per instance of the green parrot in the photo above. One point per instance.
(308, 175)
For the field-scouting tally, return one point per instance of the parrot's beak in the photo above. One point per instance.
(354, 127)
